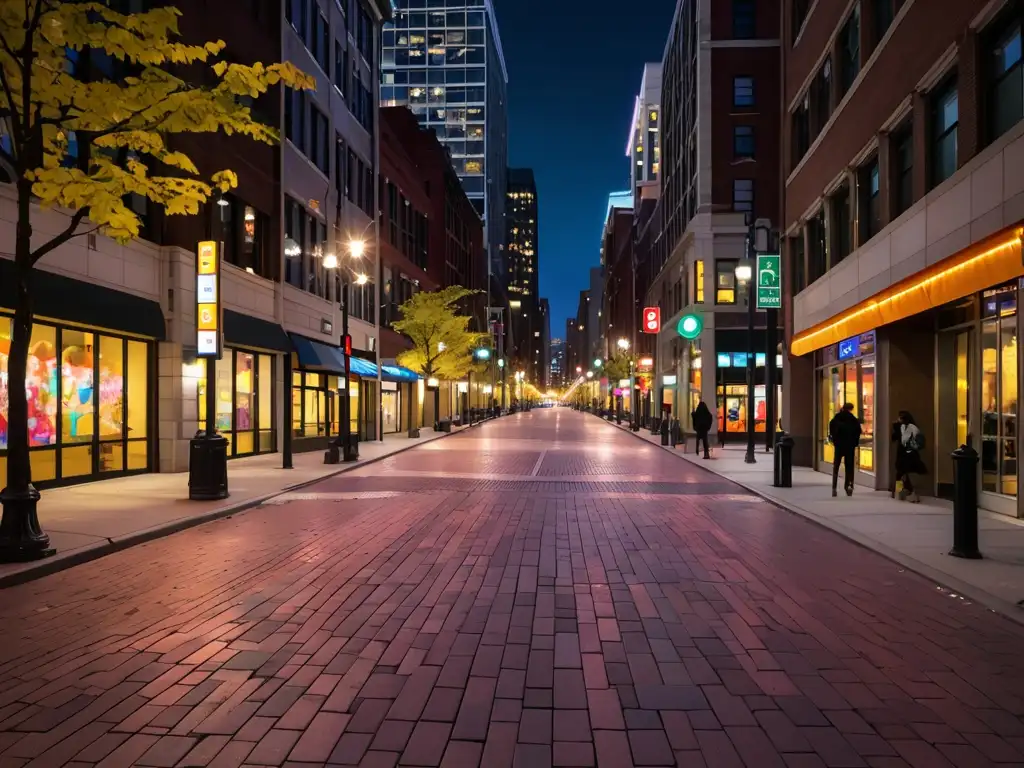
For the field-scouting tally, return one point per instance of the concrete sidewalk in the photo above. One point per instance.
(917, 536)
(91, 520)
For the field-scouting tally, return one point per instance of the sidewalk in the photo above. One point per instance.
(917, 536)
(88, 521)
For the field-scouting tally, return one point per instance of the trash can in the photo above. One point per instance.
(783, 470)
(208, 467)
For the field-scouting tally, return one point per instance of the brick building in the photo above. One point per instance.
(904, 196)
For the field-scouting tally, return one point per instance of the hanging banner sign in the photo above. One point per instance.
(208, 314)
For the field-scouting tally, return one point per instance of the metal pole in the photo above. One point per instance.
(349, 453)
(379, 426)
(750, 458)
(769, 379)
(286, 447)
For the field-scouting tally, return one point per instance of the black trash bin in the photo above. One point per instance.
(208, 467)
(783, 470)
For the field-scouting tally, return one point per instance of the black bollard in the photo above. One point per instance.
(965, 503)
(783, 474)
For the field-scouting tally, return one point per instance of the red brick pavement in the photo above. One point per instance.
(448, 625)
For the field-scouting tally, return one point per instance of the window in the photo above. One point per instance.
(319, 141)
(743, 141)
(743, 195)
(945, 116)
(902, 152)
(817, 250)
(296, 13)
(698, 281)
(1006, 84)
(820, 102)
(295, 118)
(849, 51)
(321, 41)
(340, 67)
(339, 167)
(725, 281)
(884, 13)
(245, 411)
(743, 91)
(869, 185)
(744, 19)
(801, 131)
(243, 230)
(842, 224)
(800, 9)
(999, 391)
(797, 264)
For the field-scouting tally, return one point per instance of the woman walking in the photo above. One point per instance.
(908, 455)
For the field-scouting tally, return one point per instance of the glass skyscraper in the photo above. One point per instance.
(443, 59)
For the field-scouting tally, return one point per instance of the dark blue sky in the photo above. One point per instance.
(574, 69)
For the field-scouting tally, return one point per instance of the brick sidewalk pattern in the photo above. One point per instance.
(541, 591)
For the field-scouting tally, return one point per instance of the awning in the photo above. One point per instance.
(76, 301)
(983, 265)
(392, 371)
(315, 354)
(363, 368)
(247, 331)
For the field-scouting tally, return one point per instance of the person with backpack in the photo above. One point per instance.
(908, 455)
(702, 422)
(844, 430)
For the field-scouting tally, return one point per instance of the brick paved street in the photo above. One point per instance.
(544, 590)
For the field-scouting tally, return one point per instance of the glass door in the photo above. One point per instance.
(389, 407)
(953, 422)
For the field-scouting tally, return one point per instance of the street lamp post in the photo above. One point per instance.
(342, 446)
(745, 274)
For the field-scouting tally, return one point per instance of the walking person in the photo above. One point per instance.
(702, 421)
(844, 431)
(908, 455)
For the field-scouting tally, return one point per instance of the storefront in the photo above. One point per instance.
(846, 374)
(91, 387)
(246, 397)
(731, 393)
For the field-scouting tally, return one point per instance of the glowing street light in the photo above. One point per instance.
(330, 261)
(362, 279)
(598, 362)
(623, 343)
(356, 248)
(590, 374)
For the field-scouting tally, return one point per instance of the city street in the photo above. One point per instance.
(543, 590)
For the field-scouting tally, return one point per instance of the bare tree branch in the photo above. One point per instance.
(59, 240)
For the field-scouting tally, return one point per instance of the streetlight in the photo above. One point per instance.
(623, 344)
(342, 444)
(597, 362)
(744, 276)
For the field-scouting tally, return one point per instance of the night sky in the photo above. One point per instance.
(574, 69)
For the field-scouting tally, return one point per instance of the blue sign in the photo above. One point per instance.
(723, 359)
(849, 348)
(739, 359)
(759, 360)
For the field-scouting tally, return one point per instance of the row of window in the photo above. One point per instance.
(407, 228)
(883, 13)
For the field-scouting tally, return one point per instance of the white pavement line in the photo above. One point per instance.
(536, 467)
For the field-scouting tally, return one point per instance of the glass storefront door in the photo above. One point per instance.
(999, 403)
(953, 426)
(245, 401)
(389, 411)
(848, 382)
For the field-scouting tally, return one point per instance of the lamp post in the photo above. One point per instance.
(745, 274)
(342, 446)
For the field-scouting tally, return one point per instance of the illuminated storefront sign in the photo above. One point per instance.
(208, 314)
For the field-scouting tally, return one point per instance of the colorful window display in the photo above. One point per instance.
(245, 401)
(87, 402)
(317, 398)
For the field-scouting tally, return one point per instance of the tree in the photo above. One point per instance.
(442, 344)
(120, 125)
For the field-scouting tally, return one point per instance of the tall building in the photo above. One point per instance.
(542, 347)
(522, 239)
(557, 369)
(447, 65)
(719, 171)
(904, 163)
(644, 146)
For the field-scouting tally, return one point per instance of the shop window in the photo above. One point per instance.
(42, 385)
(842, 224)
(945, 118)
(111, 380)
(744, 19)
(902, 154)
(743, 141)
(743, 92)
(5, 348)
(245, 401)
(1006, 80)
(725, 281)
(265, 404)
(849, 51)
(999, 392)
(78, 420)
(137, 397)
(852, 382)
(743, 196)
(868, 183)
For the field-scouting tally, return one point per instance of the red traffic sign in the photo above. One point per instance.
(652, 319)
(346, 343)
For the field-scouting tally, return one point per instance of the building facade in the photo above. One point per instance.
(115, 384)
(557, 368)
(902, 219)
(447, 65)
(523, 271)
(644, 146)
(719, 171)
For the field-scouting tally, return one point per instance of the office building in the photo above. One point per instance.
(904, 199)
(557, 376)
(522, 269)
(644, 146)
(719, 171)
(447, 65)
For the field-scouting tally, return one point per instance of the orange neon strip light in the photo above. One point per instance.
(967, 274)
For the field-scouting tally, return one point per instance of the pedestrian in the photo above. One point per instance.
(702, 421)
(844, 431)
(908, 455)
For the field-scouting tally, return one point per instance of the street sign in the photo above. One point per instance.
(690, 326)
(652, 319)
(208, 313)
(769, 281)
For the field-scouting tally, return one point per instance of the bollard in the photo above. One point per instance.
(664, 431)
(965, 503)
(655, 425)
(783, 474)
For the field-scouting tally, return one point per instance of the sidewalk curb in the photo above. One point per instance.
(95, 551)
(1014, 613)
